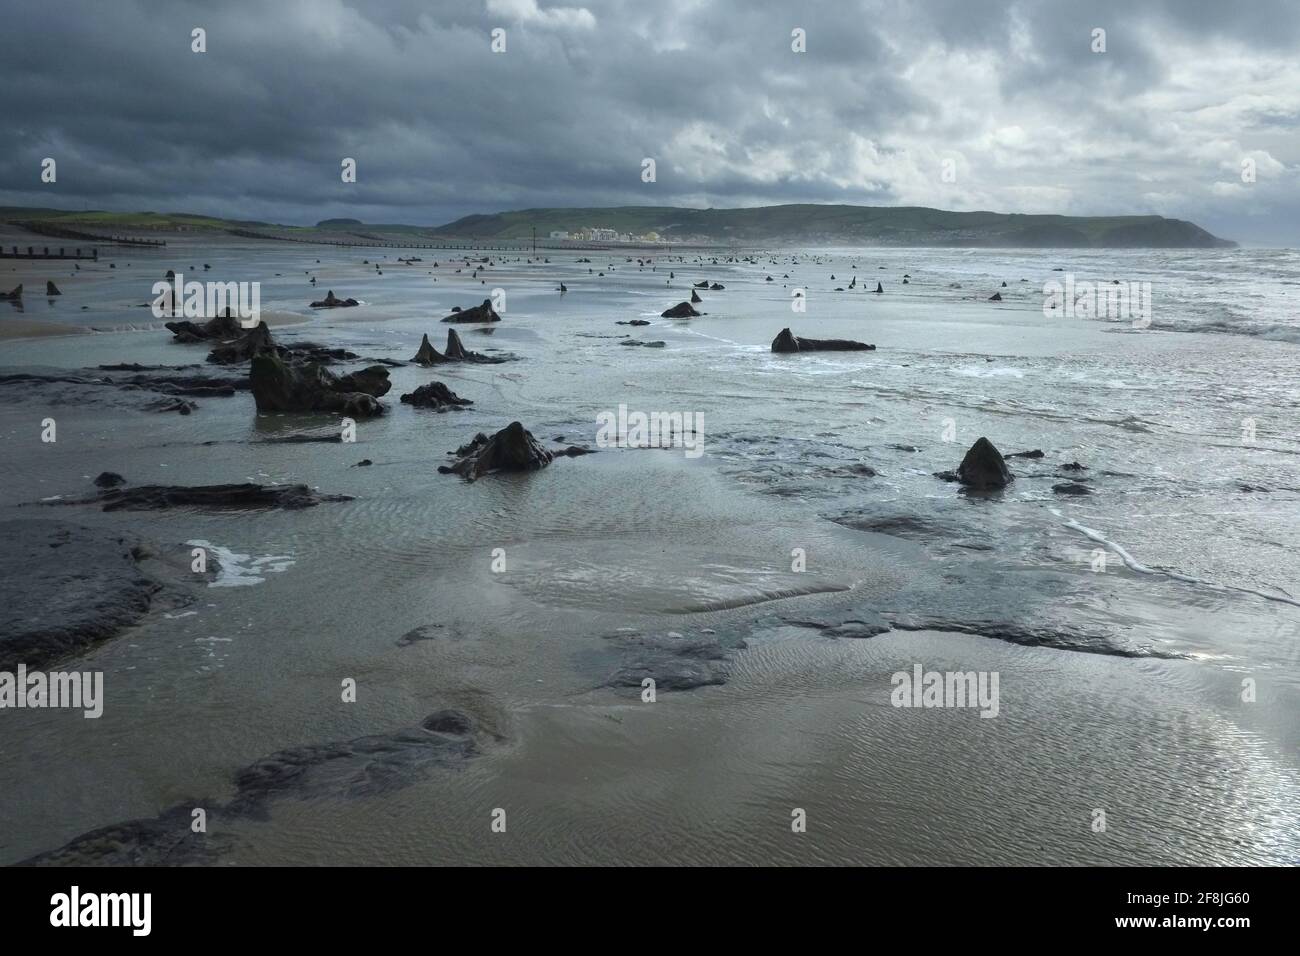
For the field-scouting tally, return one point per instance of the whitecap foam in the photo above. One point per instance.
(242, 570)
(977, 372)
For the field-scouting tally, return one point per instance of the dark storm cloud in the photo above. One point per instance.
(1010, 93)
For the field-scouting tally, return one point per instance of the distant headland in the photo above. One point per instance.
(812, 224)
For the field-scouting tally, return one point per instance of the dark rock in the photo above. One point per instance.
(109, 479)
(983, 467)
(669, 673)
(435, 395)
(363, 463)
(64, 587)
(327, 438)
(221, 328)
(857, 629)
(13, 295)
(658, 344)
(456, 352)
(137, 367)
(702, 285)
(879, 289)
(372, 380)
(179, 405)
(682, 310)
(253, 342)
(695, 297)
(897, 525)
(996, 297)
(787, 341)
(1071, 488)
(672, 662)
(855, 470)
(165, 840)
(471, 445)
(246, 496)
(717, 287)
(280, 387)
(513, 448)
(449, 722)
(869, 624)
(1036, 453)
(480, 313)
(426, 355)
(361, 767)
(52, 289)
(56, 387)
(197, 386)
(311, 352)
(1074, 466)
(1029, 634)
(425, 632)
(331, 301)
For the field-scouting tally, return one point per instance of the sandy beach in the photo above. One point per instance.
(773, 587)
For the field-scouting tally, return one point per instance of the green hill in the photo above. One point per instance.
(875, 225)
(807, 223)
(165, 221)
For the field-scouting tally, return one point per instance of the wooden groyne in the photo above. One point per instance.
(31, 253)
(64, 232)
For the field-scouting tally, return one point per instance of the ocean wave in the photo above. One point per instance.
(1274, 332)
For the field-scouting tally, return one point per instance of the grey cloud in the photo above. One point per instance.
(442, 127)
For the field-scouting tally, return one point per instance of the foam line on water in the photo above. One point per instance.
(242, 570)
(1134, 565)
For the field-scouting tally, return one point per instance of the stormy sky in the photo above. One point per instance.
(1012, 94)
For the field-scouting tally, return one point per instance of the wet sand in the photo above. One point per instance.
(18, 328)
(1120, 691)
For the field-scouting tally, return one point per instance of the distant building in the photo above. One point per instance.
(605, 234)
(559, 234)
